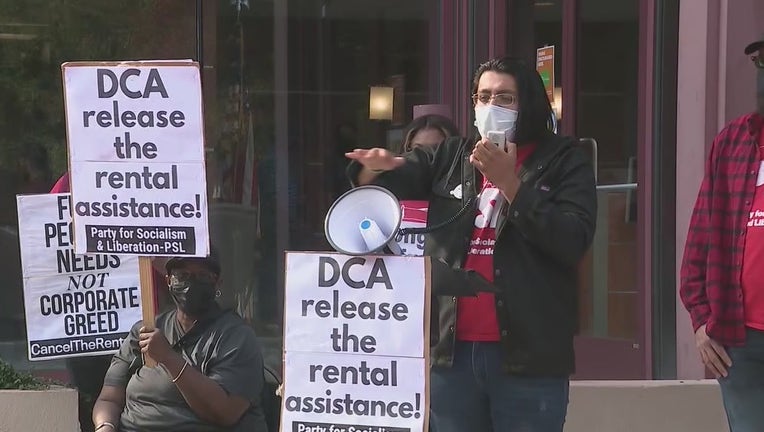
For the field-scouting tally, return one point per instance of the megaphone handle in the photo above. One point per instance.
(395, 249)
(447, 222)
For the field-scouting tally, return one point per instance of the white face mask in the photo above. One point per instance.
(490, 118)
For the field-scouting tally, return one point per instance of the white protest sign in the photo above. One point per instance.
(353, 393)
(356, 343)
(136, 147)
(75, 305)
(414, 216)
(364, 305)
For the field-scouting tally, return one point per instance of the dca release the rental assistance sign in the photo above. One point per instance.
(136, 154)
(356, 343)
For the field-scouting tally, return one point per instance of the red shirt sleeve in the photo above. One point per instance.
(62, 185)
(692, 286)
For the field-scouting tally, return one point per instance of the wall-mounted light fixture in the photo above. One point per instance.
(380, 103)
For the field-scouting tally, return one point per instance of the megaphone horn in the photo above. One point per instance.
(364, 221)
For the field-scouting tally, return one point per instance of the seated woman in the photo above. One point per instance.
(209, 375)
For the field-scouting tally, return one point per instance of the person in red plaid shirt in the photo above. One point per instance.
(722, 275)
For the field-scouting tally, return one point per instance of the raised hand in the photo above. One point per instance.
(376, 159)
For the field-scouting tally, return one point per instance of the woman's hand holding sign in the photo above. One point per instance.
(155, 345)
(204, 396)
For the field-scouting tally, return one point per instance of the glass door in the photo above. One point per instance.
(288, 92)
(606, 105)
(596, 48)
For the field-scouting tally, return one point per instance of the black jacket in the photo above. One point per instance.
(544, 234)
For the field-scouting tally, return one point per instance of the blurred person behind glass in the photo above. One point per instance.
(427, 130)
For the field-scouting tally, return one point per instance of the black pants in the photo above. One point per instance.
(87, 375)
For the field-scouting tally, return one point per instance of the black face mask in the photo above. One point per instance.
(193, 296)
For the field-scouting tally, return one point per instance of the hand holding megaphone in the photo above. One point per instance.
(376, 159)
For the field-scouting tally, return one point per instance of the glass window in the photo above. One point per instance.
(606, 118)
(331, 53)
(334, 52)
(534, 25)
(36, 36)
(606, 110)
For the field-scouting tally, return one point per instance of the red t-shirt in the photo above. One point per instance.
(476, 319)
(753, 254)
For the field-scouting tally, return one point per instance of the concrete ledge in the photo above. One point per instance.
(637, 406)
(32, 410)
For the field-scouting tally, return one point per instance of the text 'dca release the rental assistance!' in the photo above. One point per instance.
(356, 348)
(136, 152)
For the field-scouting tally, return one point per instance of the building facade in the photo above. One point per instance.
(286, 87)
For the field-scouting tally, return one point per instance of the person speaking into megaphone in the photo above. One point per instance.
(517, 207)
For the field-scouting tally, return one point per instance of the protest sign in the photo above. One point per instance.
(350, 393)
(136, 154)
(75, 305)
(356, 343)
(414, 216)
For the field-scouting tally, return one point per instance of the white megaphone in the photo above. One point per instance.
(364, 221)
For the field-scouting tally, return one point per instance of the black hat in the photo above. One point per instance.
(211, 261)
(754, 46)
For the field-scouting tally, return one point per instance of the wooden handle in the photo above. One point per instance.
(147, 300)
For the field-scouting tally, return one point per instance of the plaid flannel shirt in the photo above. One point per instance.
(710, 285)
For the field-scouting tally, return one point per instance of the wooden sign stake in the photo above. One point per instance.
(147, 300)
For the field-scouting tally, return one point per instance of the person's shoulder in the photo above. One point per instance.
(237, 334)
(62, 184)
(745, 119)
(553, 139)
(747, 123)
(569, 149)
(455, 140)
(454, 143)
(446, 151)
(135, 329)
(234, 326)
(165, 318)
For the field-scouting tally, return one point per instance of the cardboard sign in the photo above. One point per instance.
(414, 216)
(545, 68)
(75, 305)
(136, 155)
(356, 343)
